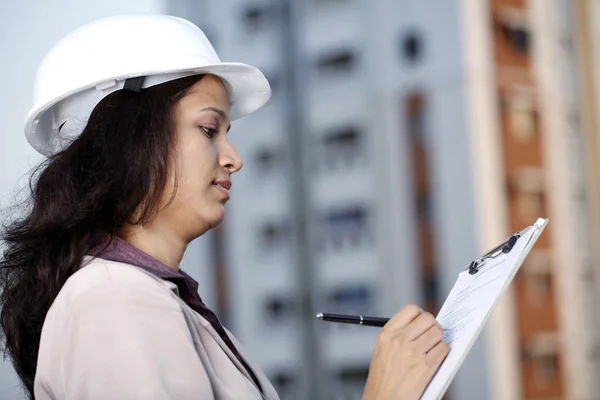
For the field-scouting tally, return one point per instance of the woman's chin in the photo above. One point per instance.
(206, 219)
(216, 218)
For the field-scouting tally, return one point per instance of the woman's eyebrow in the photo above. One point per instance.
(221, 113)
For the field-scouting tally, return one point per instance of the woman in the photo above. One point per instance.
(132, 112)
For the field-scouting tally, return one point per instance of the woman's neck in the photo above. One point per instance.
(161, 244)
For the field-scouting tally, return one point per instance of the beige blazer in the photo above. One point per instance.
(118, 332)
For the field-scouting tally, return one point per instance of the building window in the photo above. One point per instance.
(268, 159)
(284, 383)
(536, 273)
(345, 228)
(351, 299)
(342, 148)
(411, 47)
(521, 117)
(277, 308)
(336, 62)
(545, 368)
(257, 17)
(515, 28)
(274, 235)
(527, 186)
(541, 352)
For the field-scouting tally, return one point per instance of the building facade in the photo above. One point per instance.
(537, 85)
(383, 119)
(429, 133)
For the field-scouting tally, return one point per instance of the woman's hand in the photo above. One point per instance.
(407, 354)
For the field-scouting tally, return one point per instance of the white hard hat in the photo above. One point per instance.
(100, 57)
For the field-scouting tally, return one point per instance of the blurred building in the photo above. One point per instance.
(383, 115)
(538, 85)
(430, 132)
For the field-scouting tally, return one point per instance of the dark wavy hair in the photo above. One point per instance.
(113, 174)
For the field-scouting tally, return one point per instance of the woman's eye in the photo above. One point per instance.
(209, 131)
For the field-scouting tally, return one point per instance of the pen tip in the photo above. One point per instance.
(320, 315)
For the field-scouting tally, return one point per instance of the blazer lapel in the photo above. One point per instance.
(217, 338)
(268, 393)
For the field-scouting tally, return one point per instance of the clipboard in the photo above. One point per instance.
(473, 298)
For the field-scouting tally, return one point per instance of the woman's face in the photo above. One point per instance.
(203, 159)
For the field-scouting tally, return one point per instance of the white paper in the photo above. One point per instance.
(471, 302)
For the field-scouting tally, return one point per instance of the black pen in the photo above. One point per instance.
(358, 319)
(353, 319)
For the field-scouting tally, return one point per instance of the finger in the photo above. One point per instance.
(437, 354)
(403, 317)
(429, 339)
(420, 325)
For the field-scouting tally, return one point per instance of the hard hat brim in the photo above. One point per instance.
(246, 85)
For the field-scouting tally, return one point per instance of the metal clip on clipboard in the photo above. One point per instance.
(503, 248)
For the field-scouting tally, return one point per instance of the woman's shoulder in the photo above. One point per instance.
(101, 284)
(97, 271)
(98, 275)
